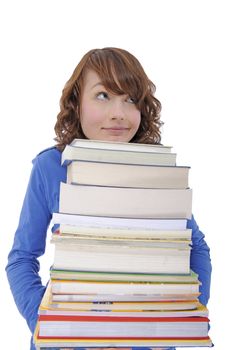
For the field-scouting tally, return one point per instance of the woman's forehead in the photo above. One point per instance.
(92, 79)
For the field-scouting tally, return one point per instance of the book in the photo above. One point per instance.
(206, 342)
(200, 311)
(61, 343)
(121, 277)
(166, 308)
(125, 202)
(129, 224)
(42, 344)
(123, 146)
(122, 327)
(122, 234)
(120, 175)
(48, 304)
(136, 288)
(161, 307)
(91, 297)
(126, 258)
(116, 155)
(123, 306)
(120, 241)
(118, 152)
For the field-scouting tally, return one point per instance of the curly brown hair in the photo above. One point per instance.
(110, 64)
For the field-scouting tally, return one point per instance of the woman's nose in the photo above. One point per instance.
(117, 110)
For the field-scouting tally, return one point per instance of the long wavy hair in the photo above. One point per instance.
(120, 73)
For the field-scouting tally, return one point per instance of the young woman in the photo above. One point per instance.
(108, 97)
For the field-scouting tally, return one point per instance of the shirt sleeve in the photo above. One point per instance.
(200, 261)
(29, 244)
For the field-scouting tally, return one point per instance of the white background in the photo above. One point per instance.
(186, 49)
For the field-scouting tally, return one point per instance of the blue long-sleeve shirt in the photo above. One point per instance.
(41, 200)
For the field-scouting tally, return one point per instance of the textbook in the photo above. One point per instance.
(120, 175)
(123, 258)
(125, 202)
(56, 328)
(122, 327)
(116, 155)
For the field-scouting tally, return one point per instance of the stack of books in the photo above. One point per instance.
(121, 274)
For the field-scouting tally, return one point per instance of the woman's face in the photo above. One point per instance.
(106, 116)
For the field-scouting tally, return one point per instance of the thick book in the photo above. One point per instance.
(125, 202)
(74, 343)
(126, 258)
(127, 175)
(116, 155)
(122, 327)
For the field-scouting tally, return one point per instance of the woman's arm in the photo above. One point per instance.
(29, 243)
(200, 261)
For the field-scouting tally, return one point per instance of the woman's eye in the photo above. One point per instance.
(130, 100)
(102, 95)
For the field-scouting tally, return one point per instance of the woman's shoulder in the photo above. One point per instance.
(48, 154)
(48, 164)
(48, 160)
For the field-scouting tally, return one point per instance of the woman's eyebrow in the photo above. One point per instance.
(97, 84)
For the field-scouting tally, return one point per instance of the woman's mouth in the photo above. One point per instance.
(115, 130)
